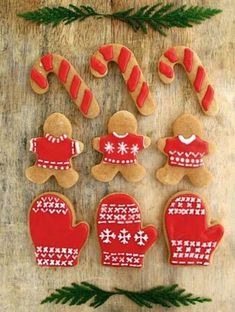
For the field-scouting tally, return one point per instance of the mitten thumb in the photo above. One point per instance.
(80, 233)
(215, 233)
(149, 236)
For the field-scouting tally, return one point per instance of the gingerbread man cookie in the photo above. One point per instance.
(185, 152)
(190, 240)
(56, 238)
(54, 152)
(120, 149)
(123, 241)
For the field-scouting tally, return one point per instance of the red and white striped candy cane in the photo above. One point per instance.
(195, 72)
(69, 77)
(130, 70)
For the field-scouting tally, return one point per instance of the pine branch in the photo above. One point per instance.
(157, 17)
(161, 295)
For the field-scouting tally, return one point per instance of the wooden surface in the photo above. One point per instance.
(22, 284)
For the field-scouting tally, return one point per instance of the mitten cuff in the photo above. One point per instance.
(122, 259)
(56, 256)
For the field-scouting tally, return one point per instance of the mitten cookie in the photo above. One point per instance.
(196, 74)
(56, 238)
(185, 152)
(120, 148)
(190, 240)
(130, 70)
(54, 152)
(122, 239)
(69, 77)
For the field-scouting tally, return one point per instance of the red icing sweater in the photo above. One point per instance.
(187, 152)
(121, 149)
(54, 153)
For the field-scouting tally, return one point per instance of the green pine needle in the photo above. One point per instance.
(166, 296)
(158, 16)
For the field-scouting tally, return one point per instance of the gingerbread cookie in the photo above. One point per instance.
(130, 70)
(190, 240)
(185, 152)
(56, 237)
(120, 148)
(196, 74)
(122, 239)
(54, 152)
(79, 92)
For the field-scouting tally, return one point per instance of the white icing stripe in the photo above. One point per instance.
(53, 139)
(187, 141)
(120, 136)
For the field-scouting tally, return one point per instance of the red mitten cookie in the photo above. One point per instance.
(54, 152)
(122, 239)
(56, 238)
(190, 240)
(185, 152)
(120, 149)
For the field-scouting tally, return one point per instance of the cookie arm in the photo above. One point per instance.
(79, 146)
(211, 148)
(146, 141)
(161, 143)
(96, 144)
(33, 145)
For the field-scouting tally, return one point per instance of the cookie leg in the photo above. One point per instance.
(37, 174)
(104, 172)
(133, 173)
(170, 175)
(66, 178)
(200, 176)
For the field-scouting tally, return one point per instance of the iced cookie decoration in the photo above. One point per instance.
(190, 240)
(56, 237)
(185, 152)
(120, 149)
(196, 74)
(122, 239)
(79, 92)
(130, 70)
(54, 152)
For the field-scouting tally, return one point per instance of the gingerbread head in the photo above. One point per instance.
(120, 148)
(185, 152)
(54, 152)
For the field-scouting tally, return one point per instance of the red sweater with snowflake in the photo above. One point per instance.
(186, 152)
(121, 149)
(54, 153)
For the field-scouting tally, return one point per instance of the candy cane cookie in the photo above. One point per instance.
(69, 77)
(130, 70)
(195, 71)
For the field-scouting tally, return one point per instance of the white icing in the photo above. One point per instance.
(187, 140)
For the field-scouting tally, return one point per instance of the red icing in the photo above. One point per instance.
(47, 62)
(142, 95)
(64, 70)
(122, 239)
(39, 79)
(54, 153)
(56, 240)
(98, 66)
(199, 79)
(107, 52)
(166, 70)
(186, 155)
(188, 59)
(133, 79)
(191, 241)
(86, 101)
(74, 88)
(171, 55)
(123, 59)
(208, 97)
(121, 150)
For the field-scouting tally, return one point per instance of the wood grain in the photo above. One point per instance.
(22, 113)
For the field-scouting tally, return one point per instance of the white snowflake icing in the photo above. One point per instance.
(106, 236)
(124, 236)
(109, 147)
(141, 238)
(122, 148)
(134, 149)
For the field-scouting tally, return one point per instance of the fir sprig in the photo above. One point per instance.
(158, 16)
(166, 296)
